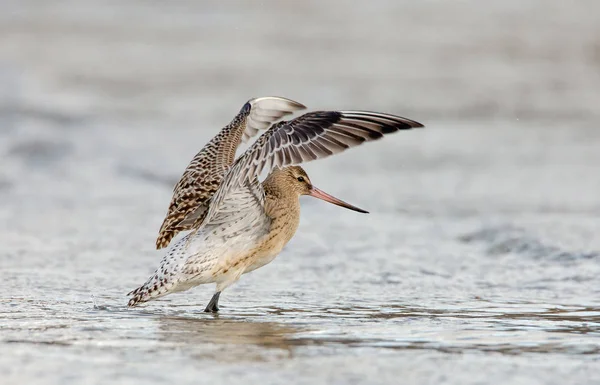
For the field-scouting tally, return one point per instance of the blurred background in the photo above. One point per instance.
(482, 247)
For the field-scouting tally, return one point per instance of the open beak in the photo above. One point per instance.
(315, 192)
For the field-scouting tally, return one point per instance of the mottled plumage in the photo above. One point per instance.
(245, 224)
(205, 172)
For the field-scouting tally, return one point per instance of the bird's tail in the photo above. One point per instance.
(179, 270)
(154, 288)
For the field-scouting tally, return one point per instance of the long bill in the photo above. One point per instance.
(315, 192)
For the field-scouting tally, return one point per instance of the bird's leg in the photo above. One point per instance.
(213, 305)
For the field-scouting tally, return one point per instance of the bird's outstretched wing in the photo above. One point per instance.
(205, 172)
(312, 136)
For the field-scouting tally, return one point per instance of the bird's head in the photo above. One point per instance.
(294, 178)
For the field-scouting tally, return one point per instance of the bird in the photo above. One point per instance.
(237, 223)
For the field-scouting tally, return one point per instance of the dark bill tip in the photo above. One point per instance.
(315, 192)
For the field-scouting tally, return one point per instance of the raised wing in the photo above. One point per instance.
(205, 172)
(266, 111)
(309, 137)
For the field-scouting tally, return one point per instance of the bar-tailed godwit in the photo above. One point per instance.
(238, 223)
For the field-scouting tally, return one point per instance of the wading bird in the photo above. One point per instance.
(237, 223)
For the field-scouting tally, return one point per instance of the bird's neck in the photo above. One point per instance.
(283, 207)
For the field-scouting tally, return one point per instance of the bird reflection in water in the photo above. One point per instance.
(227, 339)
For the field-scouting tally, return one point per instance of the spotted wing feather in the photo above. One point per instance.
(205, 172)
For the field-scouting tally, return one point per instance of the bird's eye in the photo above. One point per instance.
(300, 179)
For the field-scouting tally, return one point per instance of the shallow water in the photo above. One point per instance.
(478, 263)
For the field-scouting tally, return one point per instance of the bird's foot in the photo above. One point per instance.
(213, 305)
